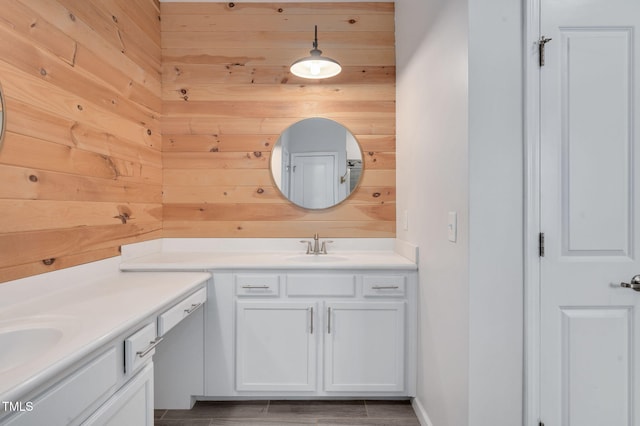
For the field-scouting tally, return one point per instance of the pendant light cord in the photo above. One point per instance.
(315, 42)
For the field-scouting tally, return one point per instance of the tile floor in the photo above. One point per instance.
(291, 413)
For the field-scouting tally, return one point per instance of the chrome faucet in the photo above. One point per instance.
(318, 246)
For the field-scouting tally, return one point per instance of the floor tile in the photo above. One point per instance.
(263, 422)
(291, 413)
(221, 409)
(286, 409)
(389, 409)
(368, 421)
(182, 422)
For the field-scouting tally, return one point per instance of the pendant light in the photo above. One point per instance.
(316, 66)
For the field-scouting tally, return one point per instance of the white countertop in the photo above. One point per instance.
(216, 260)
(88, 315)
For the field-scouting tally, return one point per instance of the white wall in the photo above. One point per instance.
(496, 212)
(432, 147)
(459, 127)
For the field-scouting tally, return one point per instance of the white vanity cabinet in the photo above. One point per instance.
(101, 391)
(113, 384)
(275, 345)
(318, 333)
(179, 359)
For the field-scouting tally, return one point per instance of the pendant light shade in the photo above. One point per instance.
(316, 66)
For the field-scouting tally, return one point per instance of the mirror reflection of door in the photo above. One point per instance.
(313, 179)
(311, 139)
(2, 117)
(285, 174)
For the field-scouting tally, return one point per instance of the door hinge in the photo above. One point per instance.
(541, 43)
(541, 247)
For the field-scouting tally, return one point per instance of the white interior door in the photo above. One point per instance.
(589, 186)
(314, 181)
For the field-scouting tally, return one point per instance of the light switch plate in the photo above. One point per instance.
(452, 227)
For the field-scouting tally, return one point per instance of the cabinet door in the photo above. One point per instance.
(276, 346)
(131, 405)
(364, 346)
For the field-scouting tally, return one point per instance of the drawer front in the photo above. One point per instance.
(307, 285)
(172, 316)
(69, 398)
(258, 285)
(139, 347)
(384, 285)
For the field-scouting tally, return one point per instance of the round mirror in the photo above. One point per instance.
(316, 163)
(2, 117)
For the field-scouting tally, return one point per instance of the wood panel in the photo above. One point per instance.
(38, 215)
(228, 20)
(250, 108)
(81, 165)
(227, 94)
(196, 125)
(333, 40)
(249, 8)
(234, 73)
(281, 229)
(48, 265)
(235, 143)
(26, 247)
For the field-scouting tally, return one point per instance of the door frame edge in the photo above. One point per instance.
(532, 228)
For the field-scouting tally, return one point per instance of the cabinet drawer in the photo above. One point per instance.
(140, 347)
(69, 398)
(321, 285)
(171, 317)
(257, 285)
(383, 285)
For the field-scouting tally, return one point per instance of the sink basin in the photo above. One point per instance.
(20, 346)
(321, 258)
(25, 339)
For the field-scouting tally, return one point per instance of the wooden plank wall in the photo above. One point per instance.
(227, 94)
(81, 165)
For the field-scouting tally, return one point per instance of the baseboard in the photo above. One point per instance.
(423, 418)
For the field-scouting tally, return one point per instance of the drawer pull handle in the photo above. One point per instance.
(255, 286)
(311, 328)
(385, 287)
(329, 320)
(193, 308)
(149, 348)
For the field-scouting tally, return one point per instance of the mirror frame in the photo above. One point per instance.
(318, 209)
(3, 117)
